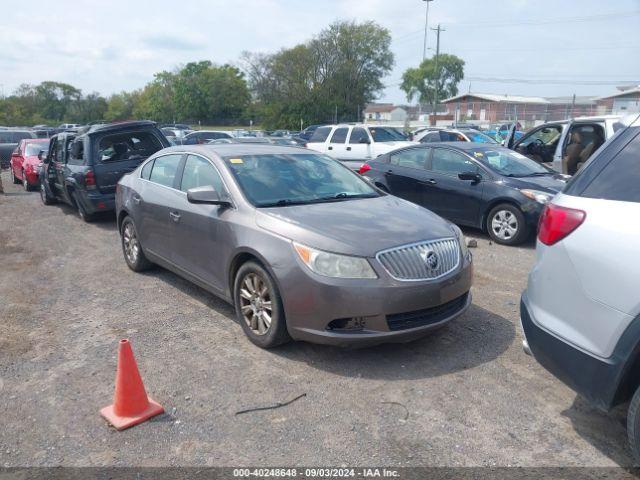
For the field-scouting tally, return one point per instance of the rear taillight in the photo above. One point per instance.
(90, 180)
(364, 168)
(558, 222)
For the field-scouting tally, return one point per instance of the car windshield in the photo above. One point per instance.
(510, 163)
(478, 137)
(278, 180)
(33, 149)
(380, 134)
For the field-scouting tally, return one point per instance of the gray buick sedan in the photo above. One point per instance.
(303, 247)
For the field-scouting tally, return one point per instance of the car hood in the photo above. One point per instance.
(361, 227)
(549, 183)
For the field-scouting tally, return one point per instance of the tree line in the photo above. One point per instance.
(329, 78)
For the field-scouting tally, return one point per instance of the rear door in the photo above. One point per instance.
(406, 174)
(118, 153)
(449, 196)
(197, 229)
(337, 143)
(156, 198)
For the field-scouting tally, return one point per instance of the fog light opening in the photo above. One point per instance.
(352, 324)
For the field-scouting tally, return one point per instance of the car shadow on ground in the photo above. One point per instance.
(479, 235)
(606, 432)
(103, 220)
(475, 338)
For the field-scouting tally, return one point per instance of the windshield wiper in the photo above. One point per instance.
(344, 196)
(285, 202)
(538, 174)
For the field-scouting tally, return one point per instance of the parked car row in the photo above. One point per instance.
(277, 231)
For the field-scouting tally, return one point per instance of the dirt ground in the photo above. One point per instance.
(466, 396)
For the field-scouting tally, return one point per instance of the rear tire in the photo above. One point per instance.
(259, 306)
(506, 225)
(44, 195)
(25, 183)
(82, 213)
(633, 426)
(131, 247)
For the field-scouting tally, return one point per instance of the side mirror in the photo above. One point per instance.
(42, 156)
(206, 195)
(366, 141)
(472, 176)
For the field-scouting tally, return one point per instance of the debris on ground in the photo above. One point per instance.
(271, 407)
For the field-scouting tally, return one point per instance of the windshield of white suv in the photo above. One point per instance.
(381, 134)
(279, 180)
(510, 163)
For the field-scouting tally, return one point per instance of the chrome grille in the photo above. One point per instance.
(416, 261)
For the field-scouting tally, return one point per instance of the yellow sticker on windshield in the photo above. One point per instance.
(236, 160)
(478, 154)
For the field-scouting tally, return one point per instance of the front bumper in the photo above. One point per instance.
(390, 311)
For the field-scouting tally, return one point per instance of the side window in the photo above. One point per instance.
(146, 170)
(358, 135)
(320, 135)
(619, 180)
(60, 151)
(451, 137)
(164, 170)
(198, 172)
(340, 135)
(76, 152)
(545, 135)
(451, 163)
(411, 158)
(431, 137)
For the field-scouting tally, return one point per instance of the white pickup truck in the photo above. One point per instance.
(354, 144)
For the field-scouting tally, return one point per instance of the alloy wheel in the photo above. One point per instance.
(255, 303)
(504, 224)
(131, 244)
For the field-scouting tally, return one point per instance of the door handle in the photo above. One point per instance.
(389, 171)
(431, 181)
(330, 148)
(349, 148)
(174, 216)
(137, 200)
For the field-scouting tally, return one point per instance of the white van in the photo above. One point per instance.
(354, 144)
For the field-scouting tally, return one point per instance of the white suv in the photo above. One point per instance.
(354, 144)
(581, 310)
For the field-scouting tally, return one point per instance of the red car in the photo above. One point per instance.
(24, 161)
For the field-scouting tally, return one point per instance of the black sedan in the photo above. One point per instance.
(473, 184)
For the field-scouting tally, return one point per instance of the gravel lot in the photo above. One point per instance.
(466, 396)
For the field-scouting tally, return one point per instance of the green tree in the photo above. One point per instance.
(334, 74)
(120, 106)
(421, 82)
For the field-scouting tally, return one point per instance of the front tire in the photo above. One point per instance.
(259, 306)
(131, 248)
(506, 225)
(633, 426)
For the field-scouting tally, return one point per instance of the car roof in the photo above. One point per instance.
(465, 146)
(240, 149)
(108, 127)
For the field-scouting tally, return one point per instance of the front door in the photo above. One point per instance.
(337, 143)
(540, 144)
(449, 196)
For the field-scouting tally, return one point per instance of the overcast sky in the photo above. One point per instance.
(109, 46)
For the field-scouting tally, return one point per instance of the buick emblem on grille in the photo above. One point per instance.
(430, 259)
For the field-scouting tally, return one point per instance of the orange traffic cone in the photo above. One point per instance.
(131, 405)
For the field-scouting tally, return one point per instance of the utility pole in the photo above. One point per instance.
(435, 98)
(426, 29)
(573, 106)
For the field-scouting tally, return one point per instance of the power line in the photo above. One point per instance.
(548, 21)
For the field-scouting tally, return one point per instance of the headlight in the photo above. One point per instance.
(461, 239)
(334, 265)
(537, 195)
